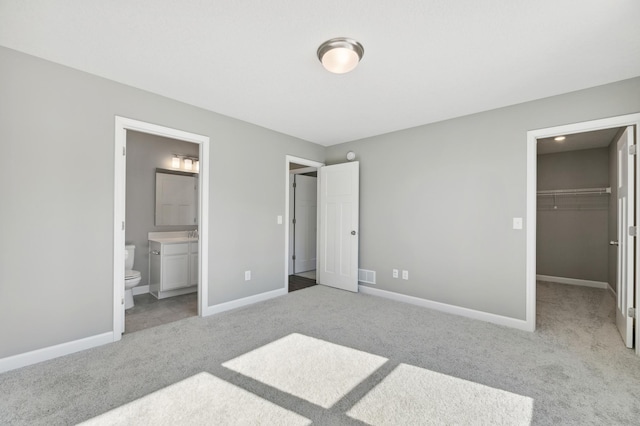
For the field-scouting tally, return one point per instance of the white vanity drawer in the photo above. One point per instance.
(169, 249)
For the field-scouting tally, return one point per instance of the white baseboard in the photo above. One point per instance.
(141, 289)
(227, 306)
(44, 354)
(572, 281)
(450, 309)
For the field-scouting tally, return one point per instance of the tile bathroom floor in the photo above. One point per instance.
(150, 312)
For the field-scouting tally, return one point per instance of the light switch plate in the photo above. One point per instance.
(279, 220)
(517, 223)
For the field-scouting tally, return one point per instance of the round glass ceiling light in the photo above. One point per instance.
(340, 55)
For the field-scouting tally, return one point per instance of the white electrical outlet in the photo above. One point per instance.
(405, 275)
(517, 223)
(279, 220)
(395, 273)
(247, 275)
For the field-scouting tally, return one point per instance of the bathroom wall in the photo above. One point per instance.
(572, 240)
(145, 153)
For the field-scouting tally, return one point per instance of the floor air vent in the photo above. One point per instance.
(366, 276)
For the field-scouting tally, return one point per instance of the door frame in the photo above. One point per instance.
(531, 204)
(305, 162)
(122, 124)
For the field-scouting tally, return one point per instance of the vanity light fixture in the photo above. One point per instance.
(351, 156)
(340, 55)
(188, 164)
(182, 162)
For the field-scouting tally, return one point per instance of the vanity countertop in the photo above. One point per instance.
(172, 240)
(173, 237)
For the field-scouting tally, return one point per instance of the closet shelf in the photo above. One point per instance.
(580, 191)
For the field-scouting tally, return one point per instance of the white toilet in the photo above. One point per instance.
(131, 278)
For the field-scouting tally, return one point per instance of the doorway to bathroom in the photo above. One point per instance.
(161, 202)
(161, 198)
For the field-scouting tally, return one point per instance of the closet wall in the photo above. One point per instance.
(573, 230)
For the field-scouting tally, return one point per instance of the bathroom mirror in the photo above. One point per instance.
(176, 198)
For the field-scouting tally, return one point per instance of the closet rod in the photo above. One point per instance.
(580, 191)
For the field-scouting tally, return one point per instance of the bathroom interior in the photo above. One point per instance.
(161, 251)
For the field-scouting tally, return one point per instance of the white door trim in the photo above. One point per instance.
(531, 188)
(309, 163)
(122, 124)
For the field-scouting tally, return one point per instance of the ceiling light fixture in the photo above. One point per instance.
(340, 55)
(559, 138)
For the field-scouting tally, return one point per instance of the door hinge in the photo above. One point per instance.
(123, 225)
(631, 312)
(294, 221)
(124, 150)
(122, 301)
(294, 184)
(633, 231)
(293, 257)
(633, 149)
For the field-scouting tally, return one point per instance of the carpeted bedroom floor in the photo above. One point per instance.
(398, 364)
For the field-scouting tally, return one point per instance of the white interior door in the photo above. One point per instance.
(339, 220)
(306, 210)
(626, 244)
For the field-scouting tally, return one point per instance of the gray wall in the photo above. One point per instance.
(438, 200)
(572, 238)
(56, 251)
(145, 153)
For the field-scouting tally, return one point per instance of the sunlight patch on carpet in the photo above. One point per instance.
(312, 369)
(199, 399)
(413, 395)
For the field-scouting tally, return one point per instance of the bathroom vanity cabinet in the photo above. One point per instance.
(173, 266)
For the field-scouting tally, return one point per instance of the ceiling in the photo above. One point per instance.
(255, 60)
(578, 141)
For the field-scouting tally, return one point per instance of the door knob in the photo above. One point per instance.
(613, 243)
(353, 232)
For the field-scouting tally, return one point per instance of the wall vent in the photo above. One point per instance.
(366, 276)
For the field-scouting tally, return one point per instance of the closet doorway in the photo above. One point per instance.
(579, 229)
